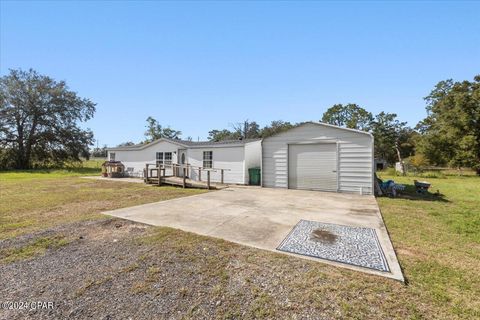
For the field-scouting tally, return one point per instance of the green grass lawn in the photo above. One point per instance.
(85, 168)
(436, 237)
(37, 199)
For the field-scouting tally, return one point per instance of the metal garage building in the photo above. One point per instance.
(319, 156)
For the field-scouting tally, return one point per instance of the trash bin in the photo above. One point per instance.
(254, 176)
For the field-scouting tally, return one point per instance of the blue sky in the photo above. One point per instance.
(198, 66)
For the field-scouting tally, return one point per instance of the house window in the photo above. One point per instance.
(183, 158)
(112, 156)
(207, 159)
(168, 158)
(164, 158)
(159, 158)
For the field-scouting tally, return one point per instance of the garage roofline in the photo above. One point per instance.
(338, 127)
(325, 125)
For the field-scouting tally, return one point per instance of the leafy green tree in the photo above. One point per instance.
(156, 131)
(222, 135)
(391, 137)
(252, 130)
(393, 140)
(247, 130)
(39, 121)
(241, 130)
(406, 141)
(350, 116)
(451, 131)
(275, 127)
(100, 152)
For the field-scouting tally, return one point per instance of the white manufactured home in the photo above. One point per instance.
(234, 156)
(311, 156)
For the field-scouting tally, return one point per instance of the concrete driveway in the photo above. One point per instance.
(263, 217)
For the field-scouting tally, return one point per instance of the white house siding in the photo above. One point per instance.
(135, 160)
(225, 157)
(355, 156)
(253, 157)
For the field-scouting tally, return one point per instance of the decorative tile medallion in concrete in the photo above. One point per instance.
(352, 245)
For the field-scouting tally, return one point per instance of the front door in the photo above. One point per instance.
(182, 161)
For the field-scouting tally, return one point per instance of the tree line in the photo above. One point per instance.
(242, 130)
(448, 136)
(40, 117)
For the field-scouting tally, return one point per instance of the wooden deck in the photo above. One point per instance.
(189, 183)
(180, 176)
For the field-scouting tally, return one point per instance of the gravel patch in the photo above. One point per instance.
(97, 252)
(117, 269)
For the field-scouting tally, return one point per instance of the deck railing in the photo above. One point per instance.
(186, 168)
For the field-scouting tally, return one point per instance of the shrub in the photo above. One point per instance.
(418, 162)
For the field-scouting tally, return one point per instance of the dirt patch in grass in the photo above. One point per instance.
(412, 253)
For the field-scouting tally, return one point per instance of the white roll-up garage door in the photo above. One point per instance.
(312, 166)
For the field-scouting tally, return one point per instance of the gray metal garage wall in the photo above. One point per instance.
(355, 155)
